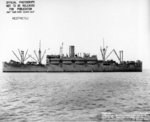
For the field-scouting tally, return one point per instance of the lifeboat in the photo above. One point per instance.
(67, 62)
(79, 62)
(91, 62)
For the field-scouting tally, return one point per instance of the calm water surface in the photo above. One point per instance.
(45, 97)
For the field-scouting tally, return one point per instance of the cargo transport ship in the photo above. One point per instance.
(71, 62)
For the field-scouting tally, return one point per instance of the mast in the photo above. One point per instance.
(122, 55)
(103, 51)
(21, 53)
(40, 52)
(103, 44)
(39, 55)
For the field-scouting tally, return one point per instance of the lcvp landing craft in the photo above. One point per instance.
(71, 63)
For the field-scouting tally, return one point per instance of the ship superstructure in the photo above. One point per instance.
(72, 62)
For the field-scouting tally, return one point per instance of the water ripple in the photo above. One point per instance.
(44, 97)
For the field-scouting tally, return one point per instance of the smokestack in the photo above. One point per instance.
(71, 51)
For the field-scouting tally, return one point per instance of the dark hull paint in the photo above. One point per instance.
(70, 68)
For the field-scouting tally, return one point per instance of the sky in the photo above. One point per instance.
(123, 24)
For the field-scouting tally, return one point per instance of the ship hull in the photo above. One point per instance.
(70, 68)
